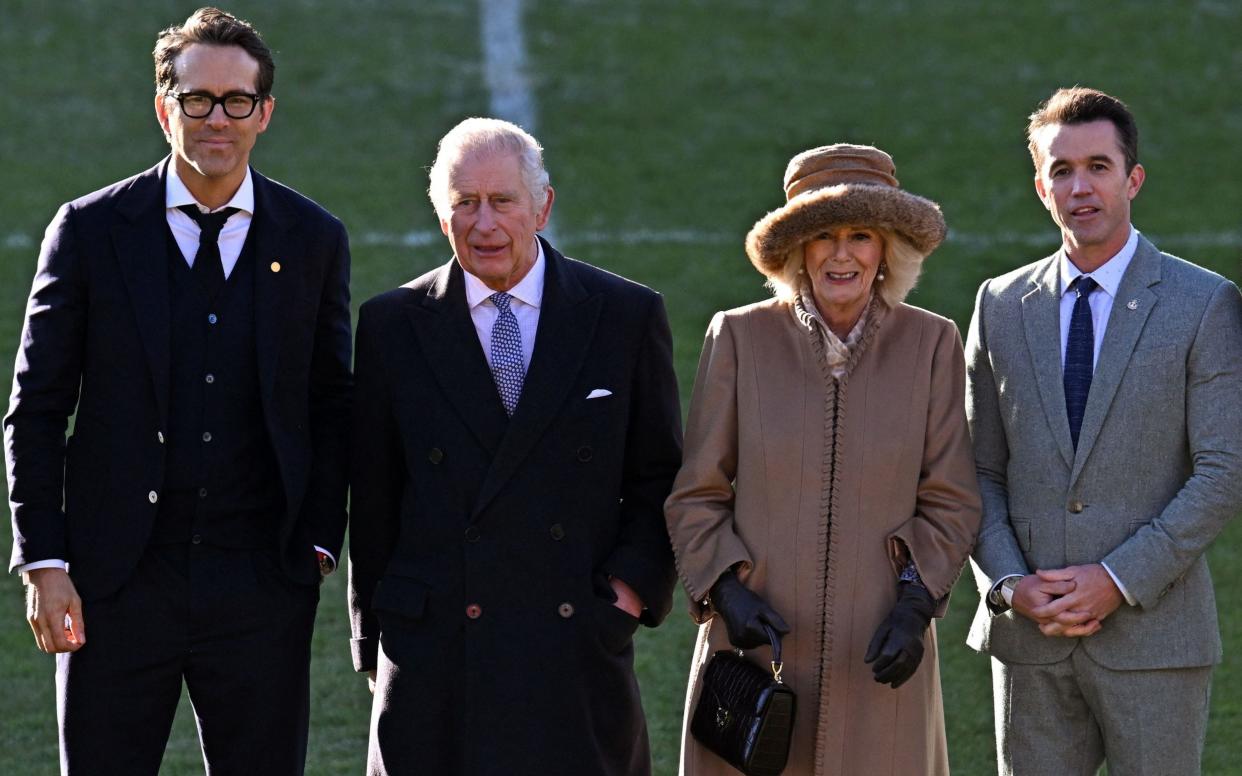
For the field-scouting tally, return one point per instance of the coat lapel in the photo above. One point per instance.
(1041, 318)
(1125, 324)
(567, 321)
(275, 280)
(446, 334)
(141, 244)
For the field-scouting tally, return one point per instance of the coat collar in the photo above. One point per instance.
(442, 324)
(1042, 323)
(140, 239)
(1131, 308)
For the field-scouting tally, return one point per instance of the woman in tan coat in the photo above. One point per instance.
(828, 487)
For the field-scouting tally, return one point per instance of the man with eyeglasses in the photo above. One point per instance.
(195, 317)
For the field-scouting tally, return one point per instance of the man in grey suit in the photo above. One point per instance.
(1105, 386)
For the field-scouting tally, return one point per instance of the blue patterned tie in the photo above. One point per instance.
(507, 368)
(1079, 355)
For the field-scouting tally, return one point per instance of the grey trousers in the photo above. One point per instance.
(1068, 718)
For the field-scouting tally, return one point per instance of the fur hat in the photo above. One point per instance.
(837, 185)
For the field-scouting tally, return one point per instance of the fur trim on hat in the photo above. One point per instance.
(915, 218)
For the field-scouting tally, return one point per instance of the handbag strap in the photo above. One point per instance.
(777, 663)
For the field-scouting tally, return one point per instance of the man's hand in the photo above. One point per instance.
(627, 600)
(1080, 612)
(54, 611)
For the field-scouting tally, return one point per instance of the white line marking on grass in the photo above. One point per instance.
(505, 69)
(973, 240)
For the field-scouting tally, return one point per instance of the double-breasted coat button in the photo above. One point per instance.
(160, 436)
(565, 610)
(557, 531)
(202, 493)
(584, 453)
(472, 534)
(474, 611)
(211, 318)
(153, 497)
(196, 539)
(435, 455)
(206, 436)
(1076, 507)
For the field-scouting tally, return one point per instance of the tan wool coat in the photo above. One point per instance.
(821, 491)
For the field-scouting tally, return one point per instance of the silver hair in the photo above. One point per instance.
(485, 136)
(903, 265)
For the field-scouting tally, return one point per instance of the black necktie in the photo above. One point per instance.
(1079, 355)
(208, 267)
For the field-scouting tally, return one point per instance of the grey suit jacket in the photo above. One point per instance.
(1158, 469)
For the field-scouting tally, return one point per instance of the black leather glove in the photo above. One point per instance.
(744, 612)
(896, 649)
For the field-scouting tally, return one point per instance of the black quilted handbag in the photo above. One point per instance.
(746, 714)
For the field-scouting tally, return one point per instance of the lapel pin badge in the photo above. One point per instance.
(1132, 304)
(276, 268)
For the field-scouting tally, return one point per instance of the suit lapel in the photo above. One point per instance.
(141, 244)
(446, 335)
(567, 321)
(275, 279)
(1041, 318)
(1125, 324)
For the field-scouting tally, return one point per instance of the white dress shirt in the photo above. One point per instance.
(527, 298)
(185, 230)
(1108, 275)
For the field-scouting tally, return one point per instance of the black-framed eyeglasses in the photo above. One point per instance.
(199, 105)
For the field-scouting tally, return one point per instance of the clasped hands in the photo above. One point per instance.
(1070, 602)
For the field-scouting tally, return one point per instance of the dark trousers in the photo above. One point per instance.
(230, 625)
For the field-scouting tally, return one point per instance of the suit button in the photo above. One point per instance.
(565, 610)
(196, 539)
(474, 611)
(557, 531)
(211, 318)
(1076, 507)
(206, 436)
(435, 455)
(584, 453)
(472, 534)
(153, 497)
(210, 379)
(202, 493)
(160, 436)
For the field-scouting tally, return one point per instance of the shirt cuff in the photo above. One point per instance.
(51, 563)
(1124, 593)
(1001, 596)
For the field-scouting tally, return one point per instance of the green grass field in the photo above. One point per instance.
(667, 127)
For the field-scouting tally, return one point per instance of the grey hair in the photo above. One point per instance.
(486, 136)
(903, 260)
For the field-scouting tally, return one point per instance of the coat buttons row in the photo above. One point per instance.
(474, 611)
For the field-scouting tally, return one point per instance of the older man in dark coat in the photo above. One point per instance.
(517, 430)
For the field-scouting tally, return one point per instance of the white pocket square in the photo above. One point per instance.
(599, 393)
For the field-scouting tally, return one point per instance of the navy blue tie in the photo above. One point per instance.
(1079, 355)
(208, 267)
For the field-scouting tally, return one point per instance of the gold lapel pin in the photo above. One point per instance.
(1132, 304)
(276, 268)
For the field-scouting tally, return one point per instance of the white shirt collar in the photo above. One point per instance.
(1109, 273)
(176, 194)
(528, 290)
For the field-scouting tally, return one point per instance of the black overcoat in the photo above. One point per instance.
(481, 545)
